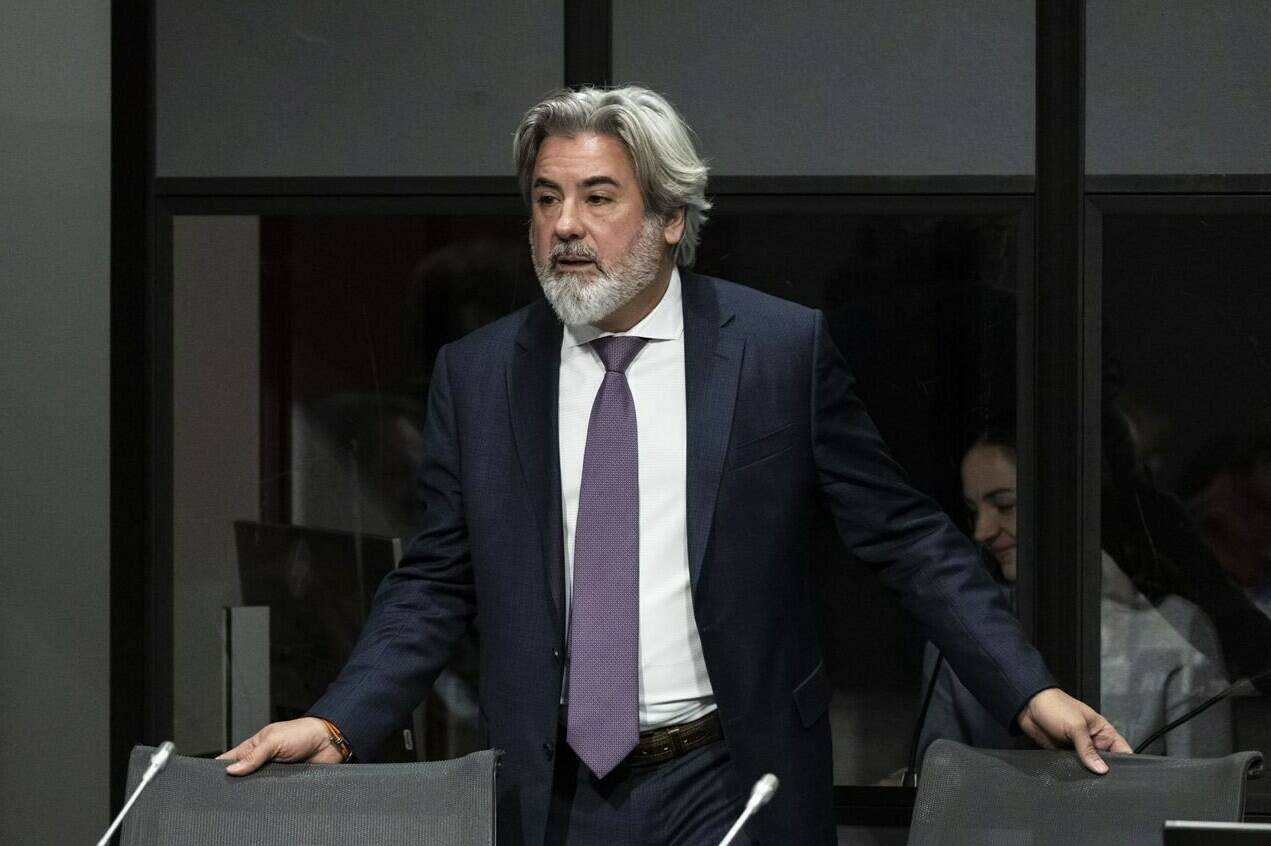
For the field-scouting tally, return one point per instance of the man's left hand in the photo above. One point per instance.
(1053, 719)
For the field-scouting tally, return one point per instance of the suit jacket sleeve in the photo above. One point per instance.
(914, 547)
(423, 608)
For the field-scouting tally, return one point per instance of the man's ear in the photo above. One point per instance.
(673, 226)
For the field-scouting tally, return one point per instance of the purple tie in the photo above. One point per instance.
(602, 724)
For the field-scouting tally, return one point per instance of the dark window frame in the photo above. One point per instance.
(133, 615)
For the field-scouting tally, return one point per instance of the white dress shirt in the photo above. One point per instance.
(674, 687)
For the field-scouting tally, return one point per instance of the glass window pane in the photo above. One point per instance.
(369, 303)
(923, 307)
(866, 88)
(302, 352)
(298, 89)
(1186, 528)
(310, 393)
(215, 449)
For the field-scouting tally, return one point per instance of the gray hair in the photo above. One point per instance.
(670, 172)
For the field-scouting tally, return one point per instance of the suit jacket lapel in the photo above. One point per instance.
(712, 364)
(533, 382)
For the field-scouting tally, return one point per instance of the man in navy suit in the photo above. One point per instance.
(622, 481)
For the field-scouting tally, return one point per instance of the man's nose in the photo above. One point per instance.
(569, 224)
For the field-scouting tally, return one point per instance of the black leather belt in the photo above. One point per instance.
(658, 746)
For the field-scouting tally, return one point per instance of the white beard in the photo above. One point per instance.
(578, 299)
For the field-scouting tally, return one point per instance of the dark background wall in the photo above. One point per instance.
(876, 88)
(296, 88)
(879, 88)
(823, 87)
(1178, 87)
(54, 384)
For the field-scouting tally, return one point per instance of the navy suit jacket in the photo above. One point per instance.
(775, 432)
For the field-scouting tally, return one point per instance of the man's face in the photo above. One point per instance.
(593, 244)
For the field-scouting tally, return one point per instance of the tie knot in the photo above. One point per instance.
(618, 351)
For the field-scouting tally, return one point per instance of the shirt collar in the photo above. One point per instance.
(664, 323)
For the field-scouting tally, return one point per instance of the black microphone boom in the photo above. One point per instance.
(910, 778)
(1249, 686)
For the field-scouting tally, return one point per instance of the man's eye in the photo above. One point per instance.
(598, 199)
(545, 200)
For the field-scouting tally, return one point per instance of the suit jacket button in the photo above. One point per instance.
(548, 751)
(556, 655)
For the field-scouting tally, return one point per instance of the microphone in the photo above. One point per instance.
(763, 791)
(158, 761)
(1247, 686)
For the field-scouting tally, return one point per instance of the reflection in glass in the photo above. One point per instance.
(1231, 504)
(317, 585)
(352, 312)
(923, 307)
(369, 303)
(1187, 403)
(1159, 656)
(990, 490)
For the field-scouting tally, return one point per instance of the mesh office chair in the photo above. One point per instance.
(194, 801)
(972, 797)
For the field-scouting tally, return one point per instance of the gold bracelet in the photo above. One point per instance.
(337, 740)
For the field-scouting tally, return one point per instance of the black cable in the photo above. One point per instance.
(910, 778)
(1247, 685)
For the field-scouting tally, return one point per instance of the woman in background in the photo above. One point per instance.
(1157, 658)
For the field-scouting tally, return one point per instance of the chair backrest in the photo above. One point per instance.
(194, 801)
(1036, 798)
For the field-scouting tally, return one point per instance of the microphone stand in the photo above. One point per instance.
(760, 794)
(157, 762)
(910, 777)
(1249, 686)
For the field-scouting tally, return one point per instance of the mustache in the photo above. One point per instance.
(573, 250)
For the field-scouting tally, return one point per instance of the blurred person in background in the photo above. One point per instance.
(1159, 656)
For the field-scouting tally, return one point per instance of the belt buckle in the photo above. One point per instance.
(677, 741)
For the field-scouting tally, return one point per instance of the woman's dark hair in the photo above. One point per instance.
(998, 433)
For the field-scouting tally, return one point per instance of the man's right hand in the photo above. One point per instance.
(295, 741)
